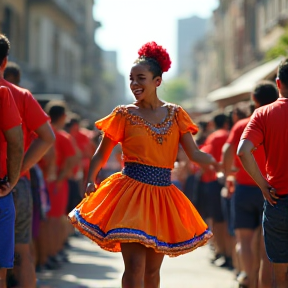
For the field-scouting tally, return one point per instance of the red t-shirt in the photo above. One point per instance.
(241, 176)
(82, 140)
(30, 111)
(213, 145)
(268, 127)
(9, 118)
(64, 147)
(83, 143)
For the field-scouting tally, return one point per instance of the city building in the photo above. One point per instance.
(231, 58)
(53, 41)
(190, 31)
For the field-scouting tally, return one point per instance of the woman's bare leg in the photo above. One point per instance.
(134, 256)
(152, 268)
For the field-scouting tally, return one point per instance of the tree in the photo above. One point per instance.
(175, 90)
(280, 49)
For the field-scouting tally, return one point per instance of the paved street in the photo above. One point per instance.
(91, 267)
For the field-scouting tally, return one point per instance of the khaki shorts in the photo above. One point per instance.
(23, 202)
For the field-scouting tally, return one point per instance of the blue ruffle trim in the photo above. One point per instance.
(134, 235)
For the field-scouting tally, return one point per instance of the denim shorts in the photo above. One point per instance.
(7, 220)
(275, 228)
(247, 207)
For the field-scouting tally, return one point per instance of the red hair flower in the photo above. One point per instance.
(157, 52)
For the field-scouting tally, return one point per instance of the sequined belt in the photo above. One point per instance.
(148, 174)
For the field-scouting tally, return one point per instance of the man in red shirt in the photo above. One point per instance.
(213, 202)
(83, 143)
(268, 127)
(35, 124)
(11, 154)
(61, 168)
(247, 200)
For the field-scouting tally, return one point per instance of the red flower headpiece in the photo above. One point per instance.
(156, 52)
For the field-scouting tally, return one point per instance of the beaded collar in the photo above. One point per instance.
(158, 131)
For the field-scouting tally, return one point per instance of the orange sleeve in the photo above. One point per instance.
(113, 125)
(185, 123)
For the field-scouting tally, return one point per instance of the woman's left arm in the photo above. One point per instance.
(193, 152)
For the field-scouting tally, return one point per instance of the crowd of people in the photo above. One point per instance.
(230, 201)
(49, 166)
(48, 153)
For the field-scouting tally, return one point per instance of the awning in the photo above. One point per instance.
(245, 83)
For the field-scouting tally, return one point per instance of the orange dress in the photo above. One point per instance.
(139, 204)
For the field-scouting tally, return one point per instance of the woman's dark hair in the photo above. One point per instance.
(155, 57)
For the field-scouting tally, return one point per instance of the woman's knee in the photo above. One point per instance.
(135, 266)
(152, 272)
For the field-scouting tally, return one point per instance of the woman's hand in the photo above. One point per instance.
(91, 187)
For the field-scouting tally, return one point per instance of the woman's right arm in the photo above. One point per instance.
(98, 161)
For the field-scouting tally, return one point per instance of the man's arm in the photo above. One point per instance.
(15, 150)
(247, 159)
(39, 146)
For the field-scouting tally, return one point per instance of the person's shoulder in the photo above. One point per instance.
(13, 88)
(17, 91)
(272, 106)
(219, 134)
(241, 124)
(62, 134)
(122, 109)
(4, 91)
(174, 106)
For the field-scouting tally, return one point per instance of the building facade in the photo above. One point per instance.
(243, 31)
(54, 43)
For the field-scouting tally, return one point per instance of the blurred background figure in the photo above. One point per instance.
(247, 200)
(38, 138)
(60, 162)
(12, 73)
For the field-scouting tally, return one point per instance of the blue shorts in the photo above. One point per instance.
(7, 222)
(275, 228)
(213, 201)
(247, 207)
(226, 208)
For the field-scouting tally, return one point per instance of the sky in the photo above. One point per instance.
(128, 24)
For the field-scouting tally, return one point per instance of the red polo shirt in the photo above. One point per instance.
(241, 176)
(30, 111)
(213, 145)
(268, 127)
(9, 118)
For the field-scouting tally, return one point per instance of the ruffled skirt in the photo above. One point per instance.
(124, 210)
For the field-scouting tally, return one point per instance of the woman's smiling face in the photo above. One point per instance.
(142, 83)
